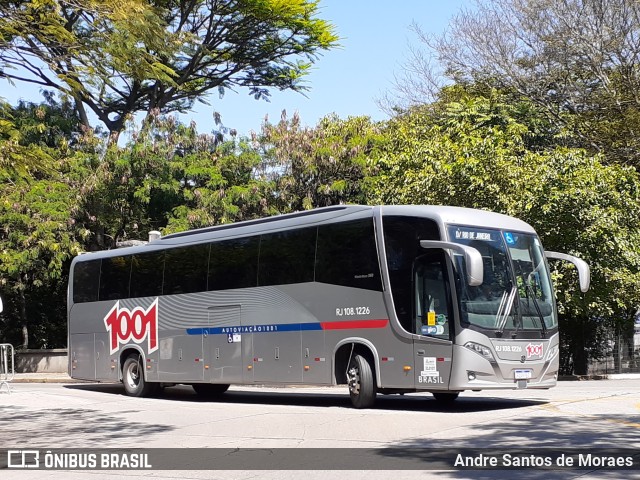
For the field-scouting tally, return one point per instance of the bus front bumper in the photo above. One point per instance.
(472, 371)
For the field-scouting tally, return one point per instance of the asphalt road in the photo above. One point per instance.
(588, 416)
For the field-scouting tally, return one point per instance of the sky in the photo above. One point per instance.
(374, 44)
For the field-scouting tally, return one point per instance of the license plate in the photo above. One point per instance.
(523, 374)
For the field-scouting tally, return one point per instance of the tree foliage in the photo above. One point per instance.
(328, 164)
(37, 238)
(51, 123)
(119, 58)
(578, 60)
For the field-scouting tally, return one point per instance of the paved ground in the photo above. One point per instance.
(586, 415)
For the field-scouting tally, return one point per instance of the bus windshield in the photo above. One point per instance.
(516, 292)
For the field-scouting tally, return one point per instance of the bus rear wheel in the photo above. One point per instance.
(362, 387)
(210, 389)
(133, 378)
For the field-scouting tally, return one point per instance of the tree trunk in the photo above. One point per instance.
(580, 360)
(617, 352)
(23, 319)
(82, 113)
(580, 357)
(114, 136)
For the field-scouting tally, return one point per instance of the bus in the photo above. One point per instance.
(383, 299)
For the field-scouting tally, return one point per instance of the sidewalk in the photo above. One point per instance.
(610, 376)
(44, 378)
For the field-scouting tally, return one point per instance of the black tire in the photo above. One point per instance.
(210, 389)
(362, 385)
(133, 378)
(445, 398)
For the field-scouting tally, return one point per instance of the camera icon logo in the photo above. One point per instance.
(23, 459)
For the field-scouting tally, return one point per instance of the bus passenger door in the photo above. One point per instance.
(433, 322)
(224, 345)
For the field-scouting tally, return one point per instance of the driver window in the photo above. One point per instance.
(432, 313)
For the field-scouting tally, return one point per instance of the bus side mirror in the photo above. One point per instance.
(472, 259)
(584, 272)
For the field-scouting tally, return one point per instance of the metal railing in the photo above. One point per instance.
(615, 363)
(7, 369)
(623, 356)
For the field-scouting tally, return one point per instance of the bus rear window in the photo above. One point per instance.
(147, 270)
(114, 278)
(86, 280)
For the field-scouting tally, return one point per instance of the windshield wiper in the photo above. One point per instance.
(518, 323)
(508, 305)
(531, 295)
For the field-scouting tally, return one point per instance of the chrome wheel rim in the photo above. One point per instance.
(354, 380)
(133, 376)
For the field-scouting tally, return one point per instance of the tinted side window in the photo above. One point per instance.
(114, 278)
(86, 280)
(146, 274)
(347, 255)
(402, 237)
(234, 263)
(185, 270)
(287, 257)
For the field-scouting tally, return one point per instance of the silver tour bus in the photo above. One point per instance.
(389, 299)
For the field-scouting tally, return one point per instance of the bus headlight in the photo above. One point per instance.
(480, 350)
(552, 352)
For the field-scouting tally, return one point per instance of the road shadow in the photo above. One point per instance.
(28, 428)
(538, 435)
(289, 396)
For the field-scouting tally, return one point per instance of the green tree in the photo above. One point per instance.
(170, 177)
(476, 151)
(50, 123)
(577, 60)
(119, 58)
(64, 192)
(38, 237)
(328, 164)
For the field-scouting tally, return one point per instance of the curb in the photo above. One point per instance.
(581, 378)
(45, 380)
(36, 378)
(610, 376)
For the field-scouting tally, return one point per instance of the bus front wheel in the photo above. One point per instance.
(133, 378)
(362, 386)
